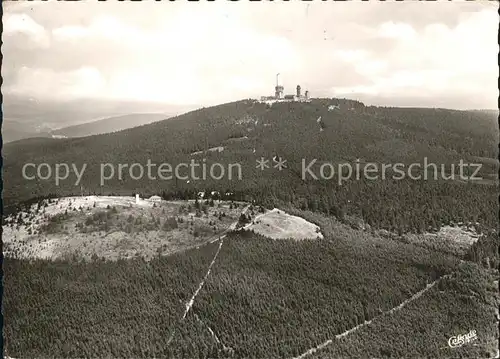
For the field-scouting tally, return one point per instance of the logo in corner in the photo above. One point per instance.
(462, 339)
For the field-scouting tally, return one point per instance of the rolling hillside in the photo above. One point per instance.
(374, 256)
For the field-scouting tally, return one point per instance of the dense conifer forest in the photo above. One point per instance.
(424, 326)
(263, 298)
(370, 134)
(271, 298)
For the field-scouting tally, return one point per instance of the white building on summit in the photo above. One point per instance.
(279, 97)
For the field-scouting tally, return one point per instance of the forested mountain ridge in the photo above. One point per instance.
(247, 130)
(272, 298)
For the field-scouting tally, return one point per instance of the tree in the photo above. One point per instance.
(243, 219)
(170, 224)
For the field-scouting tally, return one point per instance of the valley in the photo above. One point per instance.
(26, 117)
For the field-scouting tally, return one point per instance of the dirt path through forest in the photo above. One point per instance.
(390, 311)
(190, 303)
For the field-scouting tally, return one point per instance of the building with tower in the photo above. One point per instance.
(279, 97)
(278, 90)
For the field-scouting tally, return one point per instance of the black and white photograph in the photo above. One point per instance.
(250, 179)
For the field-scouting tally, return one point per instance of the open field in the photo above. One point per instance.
(119, 227)
(115, 227)
(277, 224)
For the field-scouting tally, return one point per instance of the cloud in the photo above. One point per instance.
(33, 34)
(70, 33)
(438, 61)
(103, 27)
(400, 31)
(83, 82)
(177, 62)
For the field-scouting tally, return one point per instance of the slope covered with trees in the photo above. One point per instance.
(262, 297)
(291, 131)
(247, 130)
(276, 298)
(466, 301)
(98, 309)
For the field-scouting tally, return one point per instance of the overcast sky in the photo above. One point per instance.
(394, 54)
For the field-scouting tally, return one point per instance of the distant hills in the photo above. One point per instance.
(25, 117)
(111, 124)
(14, 131)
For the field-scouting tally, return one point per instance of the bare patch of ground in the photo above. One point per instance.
(277, 224)
(246, 119)
(453, 239)
(116, 227)
(212, 149)
(236, 139)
